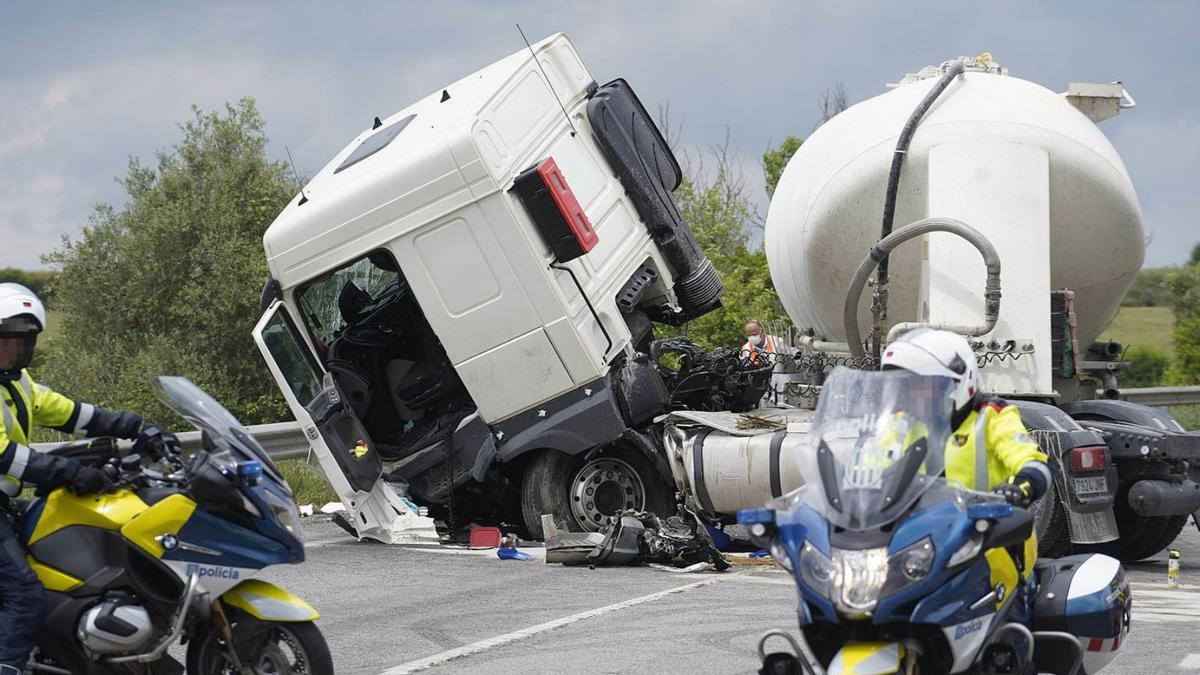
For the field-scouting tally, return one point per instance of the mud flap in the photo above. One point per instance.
(1092, 528)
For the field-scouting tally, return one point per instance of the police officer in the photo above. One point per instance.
(989, 449)
(23, 404)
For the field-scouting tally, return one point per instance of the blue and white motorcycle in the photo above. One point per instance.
(900, 571)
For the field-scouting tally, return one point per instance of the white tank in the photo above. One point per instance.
(828, 206)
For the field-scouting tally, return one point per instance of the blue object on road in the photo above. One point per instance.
(760, 554)
(506, 553)
(720, 539)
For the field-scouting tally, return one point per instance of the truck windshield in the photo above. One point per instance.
(343, 296)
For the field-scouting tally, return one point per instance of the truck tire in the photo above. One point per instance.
(1174, 526)
(1050, 524)
(582, 490)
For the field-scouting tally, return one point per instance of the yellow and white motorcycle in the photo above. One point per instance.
(170, 555)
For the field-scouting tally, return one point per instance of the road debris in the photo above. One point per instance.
(508, 553)
(636, 538)
(484, 537)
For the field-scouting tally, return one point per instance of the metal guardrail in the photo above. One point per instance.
(1161, 396)
(281, 440)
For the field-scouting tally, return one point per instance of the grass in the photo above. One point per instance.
(1142, 327)
(307, 486)
(1188, 416)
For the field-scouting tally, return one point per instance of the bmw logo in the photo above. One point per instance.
(169, 542)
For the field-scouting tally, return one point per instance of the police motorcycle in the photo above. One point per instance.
(169, 555)
(900, 571)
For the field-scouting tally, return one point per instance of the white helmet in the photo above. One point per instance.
(22, 317)
(925, 351)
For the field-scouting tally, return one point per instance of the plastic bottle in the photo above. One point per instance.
(1173, 569)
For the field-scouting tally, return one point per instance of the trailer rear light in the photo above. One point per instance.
(1091, 458)
(555, 210)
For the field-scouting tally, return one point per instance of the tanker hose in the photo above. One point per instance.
(952, 70)
(879, 252)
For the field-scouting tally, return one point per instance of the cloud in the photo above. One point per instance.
(96, 85)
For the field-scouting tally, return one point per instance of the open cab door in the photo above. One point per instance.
(337, 439)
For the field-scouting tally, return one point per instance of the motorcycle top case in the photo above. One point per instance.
(1087, 596)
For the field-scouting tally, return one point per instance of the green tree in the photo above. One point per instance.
(169, 283)
(1185, 288)
(1151, 288)
(1148, 367)
(717, 206)
(775, 160)
(1195, 259)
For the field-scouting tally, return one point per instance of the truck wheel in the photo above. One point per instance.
(1050, 519)
(1173, 526)
(581, 491)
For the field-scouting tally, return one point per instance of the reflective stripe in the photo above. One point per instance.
(9, 425)
(26, 386)
(10, 486)
(981, 450)
(86, 412)
(19, 461)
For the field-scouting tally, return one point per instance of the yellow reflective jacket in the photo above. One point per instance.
(26, 404)
(1006, 447)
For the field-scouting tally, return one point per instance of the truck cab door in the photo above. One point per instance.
(337, 439)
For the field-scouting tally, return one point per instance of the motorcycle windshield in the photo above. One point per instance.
(226, 432)
(879, 442)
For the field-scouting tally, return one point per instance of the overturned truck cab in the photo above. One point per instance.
(460, 302)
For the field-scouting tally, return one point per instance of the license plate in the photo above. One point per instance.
(1091, 486)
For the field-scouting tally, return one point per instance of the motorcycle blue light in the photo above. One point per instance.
(250, 471)
(752, 516)
(989, 511)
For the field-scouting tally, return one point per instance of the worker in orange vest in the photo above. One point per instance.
(758, 344)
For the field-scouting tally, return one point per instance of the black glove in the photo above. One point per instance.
(87, 480)
(1018, 491)
(155, 443)
(122, 424)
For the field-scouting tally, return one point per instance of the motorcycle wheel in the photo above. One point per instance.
(290, 648)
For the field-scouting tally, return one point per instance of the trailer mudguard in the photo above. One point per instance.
(268, 602)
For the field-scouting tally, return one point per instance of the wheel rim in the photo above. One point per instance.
(281, 655)
(604, 486)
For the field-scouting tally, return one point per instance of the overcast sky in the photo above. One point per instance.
(86, 85)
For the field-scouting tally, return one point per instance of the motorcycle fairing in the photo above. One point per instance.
(165, 517)
(268, 602)
(237, 546)
(867, 658)
(64, 509)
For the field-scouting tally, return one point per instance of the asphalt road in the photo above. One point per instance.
(398, 610)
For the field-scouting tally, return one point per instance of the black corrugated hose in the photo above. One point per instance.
(953, 69)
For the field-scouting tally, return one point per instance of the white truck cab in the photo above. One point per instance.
(459, 297)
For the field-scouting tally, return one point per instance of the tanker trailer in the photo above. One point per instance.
(961, 186)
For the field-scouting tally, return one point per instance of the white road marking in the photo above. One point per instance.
(507, 638)
(1155, 603)
(1190, 662)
